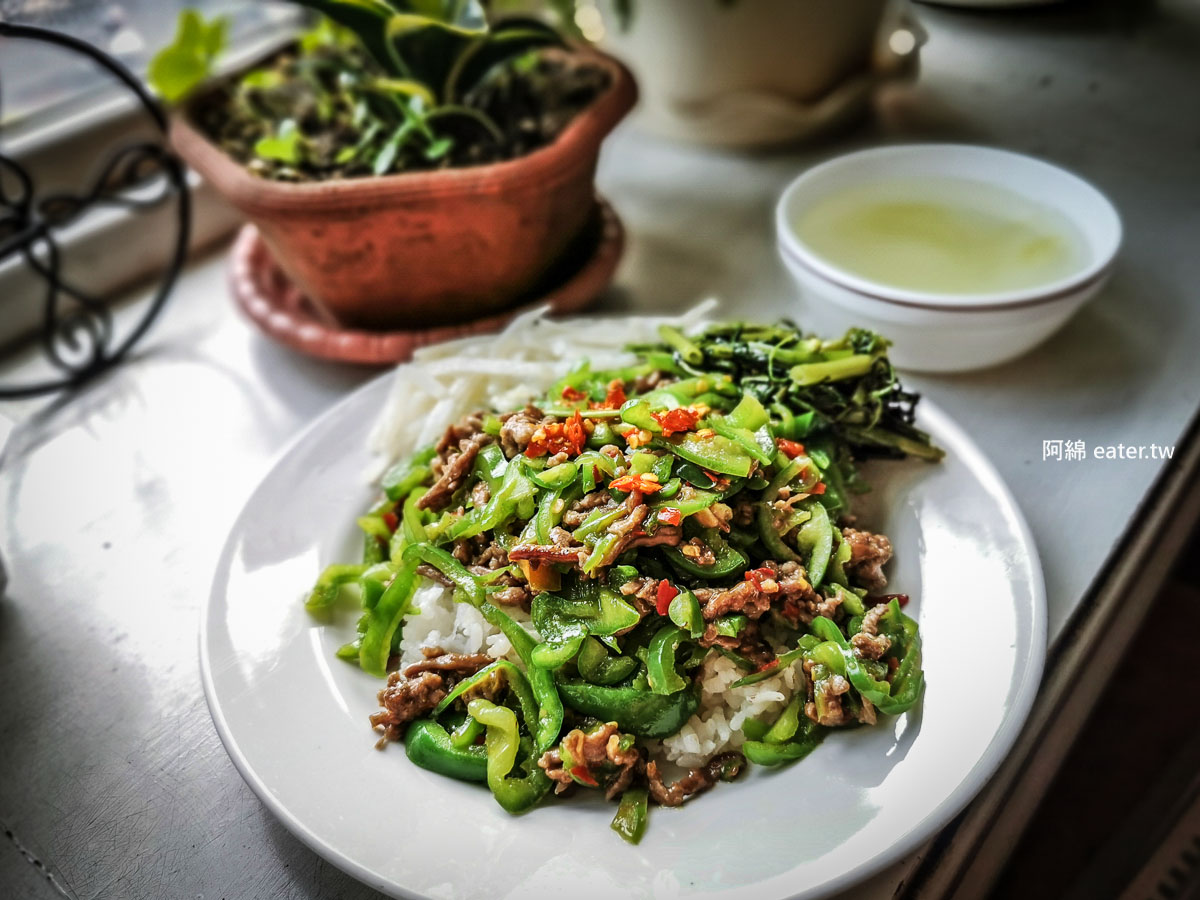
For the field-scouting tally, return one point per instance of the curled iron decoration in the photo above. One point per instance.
(77, 333)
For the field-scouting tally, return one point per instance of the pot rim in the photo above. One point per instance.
(575, 147)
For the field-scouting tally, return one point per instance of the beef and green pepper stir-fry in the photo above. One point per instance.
(629, 534)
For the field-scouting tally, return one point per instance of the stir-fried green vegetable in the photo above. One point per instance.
(684, 509)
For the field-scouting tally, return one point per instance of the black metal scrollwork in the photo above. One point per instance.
(77, 332)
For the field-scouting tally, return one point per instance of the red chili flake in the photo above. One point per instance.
(790, 449)
(902, 599)
(670, 516)
(677, 420)
(759, 575)
(720, 482)
(666, 593)
(615, 397)
(576, 434)
(768, 666)
(559, 437)
(572, 395)
(391, 520)
(642, 484)
(581, 773)
(818, 488)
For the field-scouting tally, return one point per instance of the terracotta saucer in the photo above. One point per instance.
(278, 308)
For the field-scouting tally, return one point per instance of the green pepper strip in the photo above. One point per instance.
(788, 471)
(749, 414)
(730, 626)
(685, 612)
(514, 488)
(639, 712)
(816, 536)
(407, 474)
(547, 516)
(489, 466)
(894, 697)
(590, 462)
(329, 585)
(411, 525)
(660, 661)
(630, 819)
(726, 559)
(688, 351)
(513, 677)
(747, 441)
(785, 726)
(428, 745)
(503, 741)
(550, 709)
(597, 521)
(384, 619)
(835, 370)
(637, 413)
(714, 452)
(466, 734)
(556, 477)
(773, 753)
(598, 667)
(689, 506)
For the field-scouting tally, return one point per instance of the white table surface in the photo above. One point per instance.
(114, 502)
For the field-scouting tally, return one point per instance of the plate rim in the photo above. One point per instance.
(1025, 687)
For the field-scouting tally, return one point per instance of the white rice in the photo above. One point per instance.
(442, 383)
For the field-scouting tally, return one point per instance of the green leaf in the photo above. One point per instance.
(506, 41)
(284, 146)
(439, 148)
(387, 154)
(186, 63)
(366, 18)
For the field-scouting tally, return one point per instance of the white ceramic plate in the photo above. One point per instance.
(294, 718)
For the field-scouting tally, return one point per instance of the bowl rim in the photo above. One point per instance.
(794, 250)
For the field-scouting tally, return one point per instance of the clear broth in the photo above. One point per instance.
(943, 236)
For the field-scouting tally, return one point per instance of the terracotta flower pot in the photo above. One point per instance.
(425, 247)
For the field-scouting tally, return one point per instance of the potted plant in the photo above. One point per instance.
(754, 73)
(407, 161)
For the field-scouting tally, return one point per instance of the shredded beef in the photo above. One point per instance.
(517, 428)
(642, 593)
(584, 506)
(648, 382)
(466, 427)
(454, 470)
(663, 535)
(831, 689)
(868, 554)
(434, 575)
(598, 748)
(788, 588)
(571, 554)
(870, 622)
(459, 663)
(405, 699)
(723, 767)
(748, 643)
(870, 646)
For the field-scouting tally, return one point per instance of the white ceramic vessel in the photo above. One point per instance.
(948, 332)
(294, 718)
(759, 73)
